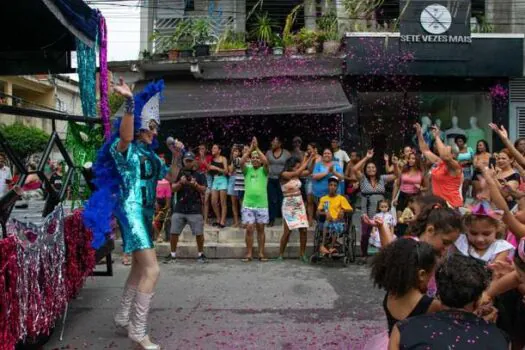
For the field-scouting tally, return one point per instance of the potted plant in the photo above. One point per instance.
(329, 32)
(145, 55)
(231, 44)
(262, 30)
(278, 44)
(291, 45)
(308, 39)
(178, 39)
(201, 30)
(289, 39)
(185, 48)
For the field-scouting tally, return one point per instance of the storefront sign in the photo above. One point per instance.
(436, 39)
(435, 22)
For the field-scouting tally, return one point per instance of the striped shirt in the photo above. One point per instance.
(239, 176)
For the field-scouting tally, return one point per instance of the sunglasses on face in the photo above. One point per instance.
(153, 126)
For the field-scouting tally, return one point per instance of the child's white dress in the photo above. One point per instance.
(498, 246)
(388, 219)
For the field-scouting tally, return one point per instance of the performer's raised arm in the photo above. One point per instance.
(126, 132)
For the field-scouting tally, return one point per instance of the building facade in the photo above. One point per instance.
(400, 64)
(40, 92)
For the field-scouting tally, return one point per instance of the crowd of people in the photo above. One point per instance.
(33, 186)
(445, 225)
(260, 188)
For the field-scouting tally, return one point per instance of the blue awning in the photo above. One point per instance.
(77, 17)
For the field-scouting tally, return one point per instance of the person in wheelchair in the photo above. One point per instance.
(332, 208)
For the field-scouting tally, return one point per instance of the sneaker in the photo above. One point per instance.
(279, 259)
(202, 259)
(304, 259)
(169, 259)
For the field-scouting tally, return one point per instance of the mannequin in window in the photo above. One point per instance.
(475, 133)
(426, 123)
(454, 131)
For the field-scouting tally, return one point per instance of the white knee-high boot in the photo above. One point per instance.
(139, 321)
(126, 302)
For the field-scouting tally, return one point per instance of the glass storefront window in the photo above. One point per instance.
(460, 113)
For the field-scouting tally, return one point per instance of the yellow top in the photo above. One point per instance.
(335, 205)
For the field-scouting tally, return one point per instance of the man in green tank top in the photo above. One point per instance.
(255, 205)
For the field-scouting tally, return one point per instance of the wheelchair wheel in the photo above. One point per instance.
(346, 261)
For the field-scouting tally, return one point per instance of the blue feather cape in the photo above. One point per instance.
(98, 210)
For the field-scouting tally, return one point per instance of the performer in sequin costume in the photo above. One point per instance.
(127, 171)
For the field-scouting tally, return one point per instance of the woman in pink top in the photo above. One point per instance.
(410, 182)
(446, 173)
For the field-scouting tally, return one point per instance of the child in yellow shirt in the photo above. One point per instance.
(333, 207)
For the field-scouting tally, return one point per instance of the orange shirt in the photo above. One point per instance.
(447, 186)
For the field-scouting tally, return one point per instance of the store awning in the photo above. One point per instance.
(278, 96)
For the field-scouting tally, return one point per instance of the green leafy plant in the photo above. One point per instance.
(201, 31)
(277, 41)
(145, 54)
(231, 40)
(24, 140)
(263, 27)
(181, 37)
(115, 102)
(484, 26)
(290, 39)
(360, 10)
(328, 27)
(308, 38)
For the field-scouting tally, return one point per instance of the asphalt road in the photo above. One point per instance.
(228, 304)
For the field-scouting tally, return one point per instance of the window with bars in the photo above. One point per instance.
(189, 5)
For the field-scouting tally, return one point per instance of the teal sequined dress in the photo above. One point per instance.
(140, 169)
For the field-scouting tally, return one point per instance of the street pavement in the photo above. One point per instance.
(228, 304)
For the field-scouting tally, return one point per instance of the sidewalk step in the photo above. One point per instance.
(235, 250)
(228, 243)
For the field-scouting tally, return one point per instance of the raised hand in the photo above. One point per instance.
(370, 154)
(395, 159)
(501, 131)
(417, 126)
(386, 157)
(435, 131)
(122, 88)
